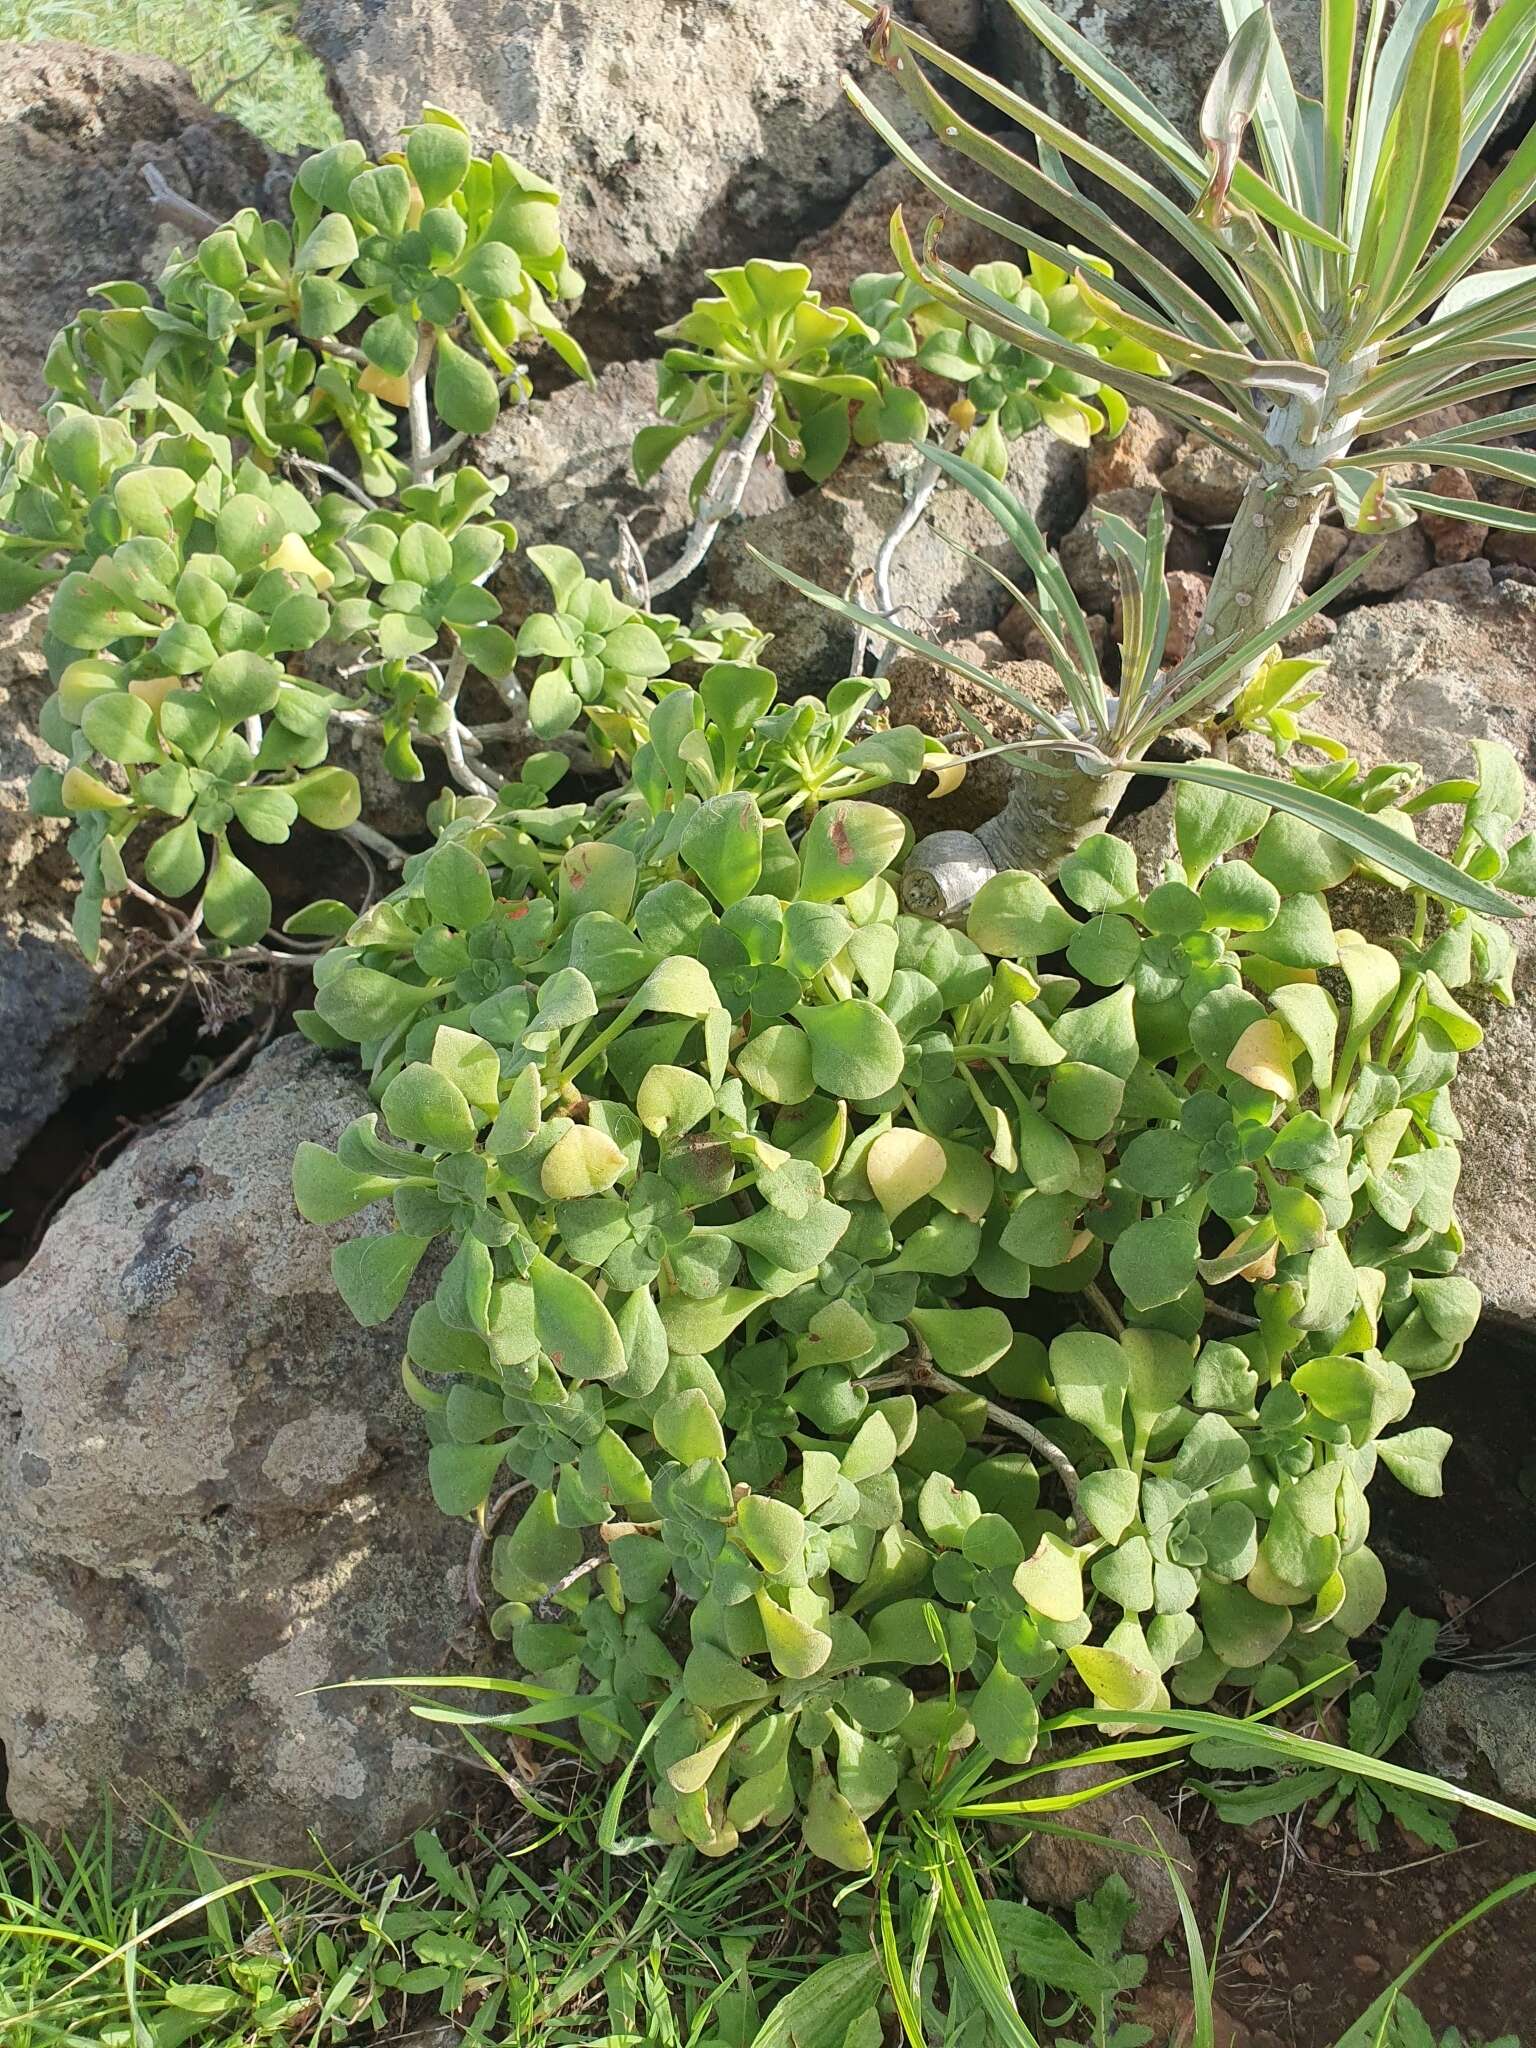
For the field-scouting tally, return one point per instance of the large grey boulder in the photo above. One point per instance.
(833, 534)
(80, 125)
(682, 135)
(213, 1499)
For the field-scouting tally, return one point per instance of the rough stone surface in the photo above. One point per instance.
(213, 1498)
(954, 23)
(1403, 556)
(79, 126)
(1024, 639)
(1058, 1870)
(833, 534)
(925, 695)
(859, 240)
(567, 459)
(1169, 2011)
(1206, 483)
(684, 135)
(1090, 568)
(1488, 1717)
(1137, 456)
(1453, 540)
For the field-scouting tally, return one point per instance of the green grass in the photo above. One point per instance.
(241, 55)
(534, 1938)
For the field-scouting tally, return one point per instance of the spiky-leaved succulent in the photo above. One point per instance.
(1312, 294)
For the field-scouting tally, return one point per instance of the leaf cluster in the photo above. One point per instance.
(842, 376)
(731, 1177)
(1380, 1712)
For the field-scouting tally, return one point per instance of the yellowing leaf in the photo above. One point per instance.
(584, 1162)
(902, 1166)
(293, 554)
(1051, 1581)
(1262, 1057)
(1114, 1680)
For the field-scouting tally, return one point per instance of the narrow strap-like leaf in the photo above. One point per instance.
(1029, 544)
(1378, 86)
(1496, 426)
(1360, 831)
(1042, 187)
(1338, 30)
(891, 629)
(1417, 172)
(1515, 465)
(1507, 518)
(1233, 370)
(1383, 399)
(1204, 677)
(1504, 201)
(1495, 71)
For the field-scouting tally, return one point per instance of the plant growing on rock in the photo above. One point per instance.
(740, 1168)
(229, 604)
(768, 370)
(727, 1171)
(1348, 314)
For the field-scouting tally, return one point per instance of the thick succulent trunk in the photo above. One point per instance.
(1046, 818)
(1258, 578)
(1257, 581)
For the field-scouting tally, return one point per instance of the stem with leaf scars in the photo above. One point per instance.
(722, 502)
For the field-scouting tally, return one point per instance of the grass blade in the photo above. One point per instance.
(1270, 1745)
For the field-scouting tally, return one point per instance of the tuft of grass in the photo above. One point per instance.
(241, 55)
(536, 1938)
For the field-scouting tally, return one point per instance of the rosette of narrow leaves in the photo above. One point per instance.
(1085, 752)
(1351, 313)
(767, 323)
